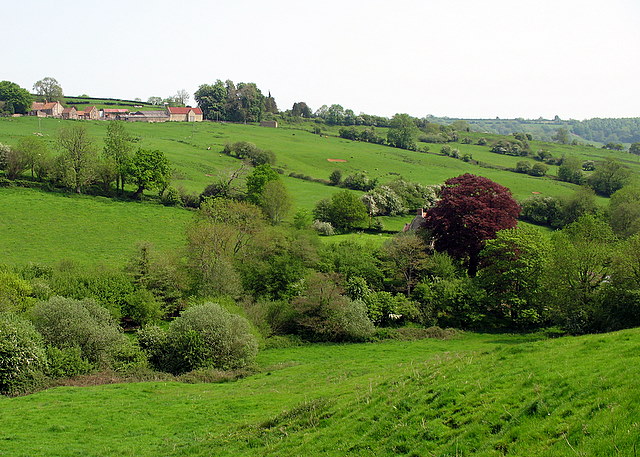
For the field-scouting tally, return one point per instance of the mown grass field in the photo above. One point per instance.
(474, 395)
(49, 229)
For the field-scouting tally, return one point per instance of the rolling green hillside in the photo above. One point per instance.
(474, 395)
(33, 233)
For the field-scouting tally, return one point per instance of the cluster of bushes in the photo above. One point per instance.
(400, 197)
(455, 153)
(607, 177)
(304, 177)
(63, 321)
(513, 147)
(367, 135)
(537, 169)
(344, 211)
(356, 181)
(245, 150)
(64, 337)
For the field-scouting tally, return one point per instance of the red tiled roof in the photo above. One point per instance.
(183, 110)
(68, 110)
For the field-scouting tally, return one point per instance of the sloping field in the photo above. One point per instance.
(39, 227)
(194, 151)
(475, 395)
(44, 227)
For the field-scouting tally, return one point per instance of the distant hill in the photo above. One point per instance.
(597, 130)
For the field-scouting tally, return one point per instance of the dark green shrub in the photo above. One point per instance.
(67, 323)
(203, 336)
(22, 355)
(542, 210)
(454, 302)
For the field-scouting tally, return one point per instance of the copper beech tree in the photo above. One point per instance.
(472, 209)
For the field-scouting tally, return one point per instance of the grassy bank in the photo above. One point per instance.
(475, 395)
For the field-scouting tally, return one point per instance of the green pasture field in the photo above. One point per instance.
(475, 395)
(299, 151)
(45, 227)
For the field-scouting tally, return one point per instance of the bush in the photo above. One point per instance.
(142, 307)
(171, 197)
(324, 228)
(14, 292)
(523, 166)
(359, 181)
(204, 336)
(324, 314)
(108, 288)
(66, 362)
(22, 355)
(68, 323)
(538, 169)
(542, 210)
(385, 309)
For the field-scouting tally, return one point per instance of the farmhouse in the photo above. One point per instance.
(70, 113)
(51, 109)
(187, 114)
(90, 113)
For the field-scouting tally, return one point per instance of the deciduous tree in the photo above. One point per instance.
(149, 169)
(609, 177)
(511, 272)
(78, 156)
(472, 210)
(402, 132)
(276, 201)
(117, 146)
(49, 88)
(15, 98)
(344, 210)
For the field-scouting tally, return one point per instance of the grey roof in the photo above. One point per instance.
(149, 114)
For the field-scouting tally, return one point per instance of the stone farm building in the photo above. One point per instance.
(169, 114)
(90, 112)
(184, 114)
(51, 109)
(70, 113)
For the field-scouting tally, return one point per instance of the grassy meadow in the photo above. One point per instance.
(44, 227)
(473, 395)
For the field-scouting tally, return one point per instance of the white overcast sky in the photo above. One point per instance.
(459, 58)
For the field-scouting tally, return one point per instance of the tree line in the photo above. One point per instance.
(77, 164)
